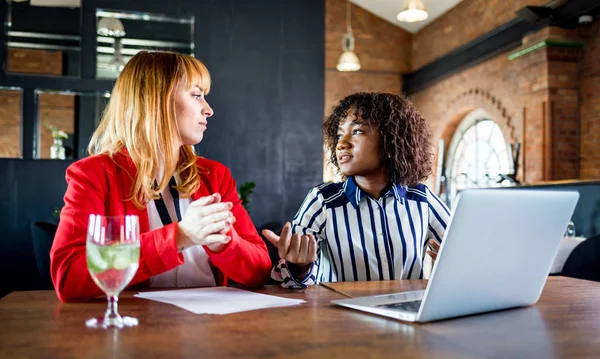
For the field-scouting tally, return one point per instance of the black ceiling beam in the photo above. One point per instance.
(498, 40)
(494, 42)
(56, 83)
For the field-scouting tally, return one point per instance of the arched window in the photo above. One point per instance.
(477, 156)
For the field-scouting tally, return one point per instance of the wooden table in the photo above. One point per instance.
(564, 323)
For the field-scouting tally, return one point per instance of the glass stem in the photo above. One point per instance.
(112, 312)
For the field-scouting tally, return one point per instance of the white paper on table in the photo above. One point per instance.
(218, 300)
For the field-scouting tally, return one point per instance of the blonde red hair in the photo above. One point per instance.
(140, 118)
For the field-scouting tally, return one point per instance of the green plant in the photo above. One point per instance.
(56, 133)
(245, 191)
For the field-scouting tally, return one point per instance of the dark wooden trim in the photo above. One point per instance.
(573, 8)
(59, 83)
(492, 43)
(29, 122)
(569, 182)
(88, 110)
(88, 42)
(524, 152)
(77, 119)
(175, 8)
(3, 47)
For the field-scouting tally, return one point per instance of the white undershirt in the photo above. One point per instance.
(196, 271)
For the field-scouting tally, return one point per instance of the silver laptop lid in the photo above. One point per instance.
(497, 251)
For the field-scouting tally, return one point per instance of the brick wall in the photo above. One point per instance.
(35, 61)
(465, 22)
(493, 86)
(546, 99)
(10, 123)
(381, 46)
(563, 100)
(589, 79)
(383, 50)
(59, 110)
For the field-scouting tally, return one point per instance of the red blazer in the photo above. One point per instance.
(99, 185)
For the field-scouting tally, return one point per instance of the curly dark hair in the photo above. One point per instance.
(406, 140)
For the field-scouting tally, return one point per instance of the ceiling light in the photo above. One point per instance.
(413, 11)
(348, 61)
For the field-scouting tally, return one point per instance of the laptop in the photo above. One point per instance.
(496, 254)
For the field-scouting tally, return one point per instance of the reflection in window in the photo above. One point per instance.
(43, 38)
(10, 123)
(65, 122)
(56, 125)
(478, 155)
(123, 34)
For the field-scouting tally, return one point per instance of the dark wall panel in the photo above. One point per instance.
(266, 59)
(31, 189)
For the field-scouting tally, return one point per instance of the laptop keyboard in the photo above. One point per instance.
(412, 306)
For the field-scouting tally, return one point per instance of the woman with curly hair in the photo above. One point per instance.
(378, 223)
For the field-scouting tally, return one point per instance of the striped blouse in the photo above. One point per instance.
(360, 238)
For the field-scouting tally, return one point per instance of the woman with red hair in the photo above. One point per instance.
(194, 230)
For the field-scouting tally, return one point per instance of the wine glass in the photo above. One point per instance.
(113, 254)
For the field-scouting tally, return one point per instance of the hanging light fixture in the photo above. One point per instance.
(117, 62)
(413, 11)
(110, 26)
(348, 61)
(113, 27)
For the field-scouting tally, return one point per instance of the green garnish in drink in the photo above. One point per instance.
(116, 256)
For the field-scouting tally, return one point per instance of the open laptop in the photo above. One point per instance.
(496, 254)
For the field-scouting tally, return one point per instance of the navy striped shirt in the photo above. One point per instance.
(360, 238)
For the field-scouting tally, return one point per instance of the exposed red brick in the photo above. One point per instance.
(34, 61)
(589, 95)
(56, 109)
(10, 123)
(465, 22)
(380, 46)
